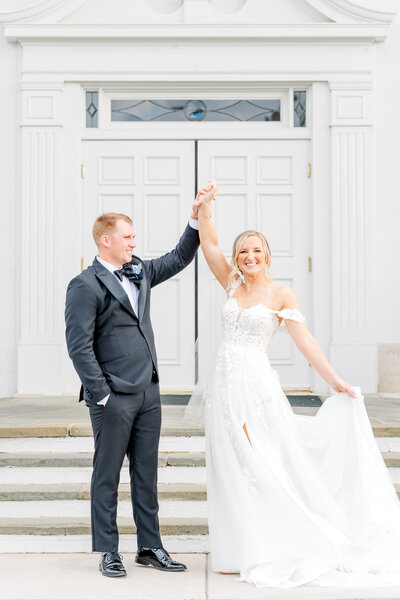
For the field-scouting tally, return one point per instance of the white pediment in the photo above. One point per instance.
(246, 12)
(195, 12)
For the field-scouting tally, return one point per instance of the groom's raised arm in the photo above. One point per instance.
(80, 320)
(166, 266)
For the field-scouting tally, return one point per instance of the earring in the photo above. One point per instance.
(241, 277)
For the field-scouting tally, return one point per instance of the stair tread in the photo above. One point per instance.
(85, 459)
(177, 430)
(81, 525)
(72, 491)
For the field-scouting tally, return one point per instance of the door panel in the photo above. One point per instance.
(263, 185)
(153, 183)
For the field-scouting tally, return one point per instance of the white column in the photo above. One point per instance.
(41, 323)
(354, 239)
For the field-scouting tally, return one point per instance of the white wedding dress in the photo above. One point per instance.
(309, 500)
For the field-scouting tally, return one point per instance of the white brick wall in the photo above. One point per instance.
(8, 214)
(388, 184)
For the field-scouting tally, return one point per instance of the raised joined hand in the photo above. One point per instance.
(208, 193)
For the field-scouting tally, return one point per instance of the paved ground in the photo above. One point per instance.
(66, 411)
(76, 577)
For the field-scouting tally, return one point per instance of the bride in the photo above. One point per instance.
(292, 499)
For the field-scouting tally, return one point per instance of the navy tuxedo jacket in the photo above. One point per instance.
(111, 347)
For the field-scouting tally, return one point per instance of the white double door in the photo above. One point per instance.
(263, 185)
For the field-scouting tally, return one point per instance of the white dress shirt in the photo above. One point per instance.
(132, 291)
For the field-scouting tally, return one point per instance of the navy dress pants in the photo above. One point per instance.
(128, 425)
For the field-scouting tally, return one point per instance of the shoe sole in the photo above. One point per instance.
(147, 563)
(111, 574)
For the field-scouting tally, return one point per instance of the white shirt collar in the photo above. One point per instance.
(106, 264)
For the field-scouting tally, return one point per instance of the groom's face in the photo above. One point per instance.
(121, 243)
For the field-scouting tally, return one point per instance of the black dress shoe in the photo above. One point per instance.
(111, 565)
(158, 558)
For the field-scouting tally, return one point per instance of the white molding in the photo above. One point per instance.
(41, 107)
(50, 10)
(351, 236)
(40, 195)
(351, 107)
(350, 85)
(39, 348)
(44, 85)
(296, 31)
(340, 11)
(266, 62)
(190, 133)
(354, 315)
(345, 11)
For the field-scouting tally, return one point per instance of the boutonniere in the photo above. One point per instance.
(137, 269)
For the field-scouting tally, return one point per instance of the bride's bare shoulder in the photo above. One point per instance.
(286, 296)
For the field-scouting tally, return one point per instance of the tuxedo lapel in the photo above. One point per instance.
(113, 285)
(142, 297)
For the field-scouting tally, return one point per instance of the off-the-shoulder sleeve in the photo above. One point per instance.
(291, 315)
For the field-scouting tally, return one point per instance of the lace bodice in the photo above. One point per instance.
(253, 327)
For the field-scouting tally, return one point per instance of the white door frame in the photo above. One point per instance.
(112, 131)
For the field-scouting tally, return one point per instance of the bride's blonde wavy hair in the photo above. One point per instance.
(237, 244)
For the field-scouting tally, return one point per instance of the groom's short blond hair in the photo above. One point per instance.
(104, 224)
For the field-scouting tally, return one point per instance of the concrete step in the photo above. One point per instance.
(72, 491)
(191, 509)
(166, 491)
(167, 444)
(85, 444)
(392, 459)
(82, 475)
(23, 543)
(85, 459)
(172, 429)
(82, 430)
(81, 526)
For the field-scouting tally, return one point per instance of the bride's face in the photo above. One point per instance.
(251, 258)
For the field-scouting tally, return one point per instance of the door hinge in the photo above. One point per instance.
(82, 263)
(309, 264)
(309, 170)
(82, 170)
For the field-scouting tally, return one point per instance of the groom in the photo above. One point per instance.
(110, 341)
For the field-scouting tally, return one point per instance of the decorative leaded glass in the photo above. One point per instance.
(92, 109)
(299, 107)
(195, 110)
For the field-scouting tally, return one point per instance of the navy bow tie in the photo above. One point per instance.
(133, 272)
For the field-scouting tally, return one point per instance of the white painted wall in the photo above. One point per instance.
(8, 215)
(388, 206)
(388, 183)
